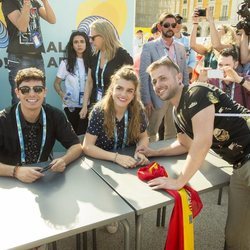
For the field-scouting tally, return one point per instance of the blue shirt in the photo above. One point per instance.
(191, 57)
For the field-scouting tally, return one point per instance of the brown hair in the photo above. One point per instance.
(165, 15)
(134, 107)
(164, 61)
(29, 74)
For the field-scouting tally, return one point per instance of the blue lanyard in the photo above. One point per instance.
(79, 78)
(97, 70)
(20, 134)
(125, 136)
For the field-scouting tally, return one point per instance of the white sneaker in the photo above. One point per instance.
(112, 228)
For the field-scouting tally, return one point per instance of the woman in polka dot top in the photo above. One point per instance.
(118, 120)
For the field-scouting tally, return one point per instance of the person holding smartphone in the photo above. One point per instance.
(227, 78)
(221, 37)
(29, 129)
(26, 45)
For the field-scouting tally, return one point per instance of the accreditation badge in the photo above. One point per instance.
(80, 101)
(37, 39)
(99, 94)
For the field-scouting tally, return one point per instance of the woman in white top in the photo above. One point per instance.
(73, 70)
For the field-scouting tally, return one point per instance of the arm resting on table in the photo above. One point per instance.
(203, 133)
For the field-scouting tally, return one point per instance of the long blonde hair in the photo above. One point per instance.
(107, 32)
(134, 108)
(228, 38)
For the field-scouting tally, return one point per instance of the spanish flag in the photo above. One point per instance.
(187, 207)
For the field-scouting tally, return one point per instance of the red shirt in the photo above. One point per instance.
(240, 94)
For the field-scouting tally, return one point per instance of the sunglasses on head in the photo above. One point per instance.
(26, 89)
(167, 25)
(93, 37)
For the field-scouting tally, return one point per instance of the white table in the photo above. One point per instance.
(214, 173)
(57, 206)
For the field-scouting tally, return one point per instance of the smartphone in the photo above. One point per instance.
(46, 168)
(215, 73)
(202, 12)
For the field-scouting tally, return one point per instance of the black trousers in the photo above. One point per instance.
(79, 125)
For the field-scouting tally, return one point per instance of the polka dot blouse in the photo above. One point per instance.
(96, 128)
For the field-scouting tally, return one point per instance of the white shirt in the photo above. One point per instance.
(75, 84)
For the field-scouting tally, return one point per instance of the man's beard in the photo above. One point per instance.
(168, 34)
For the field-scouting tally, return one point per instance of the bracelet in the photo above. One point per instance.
(15, 171)
(116, 154)
(242, 81)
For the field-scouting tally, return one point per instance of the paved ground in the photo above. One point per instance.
(209, 229)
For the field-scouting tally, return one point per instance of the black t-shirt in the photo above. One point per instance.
(22, 42)
(58, 128)
(121, 58)
(95, 127)
(231, 135)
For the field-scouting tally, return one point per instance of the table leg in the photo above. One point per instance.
(163, 216)
(54, 246)
(78, 241)
(85, 240)
(94, 239)
(220, 196)
(126, 234)
(138, 231)
(158, 218)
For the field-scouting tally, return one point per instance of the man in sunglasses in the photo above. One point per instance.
(152, 51)
(179, 37)
(28, 131)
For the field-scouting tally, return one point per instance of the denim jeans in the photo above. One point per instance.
(17, 62)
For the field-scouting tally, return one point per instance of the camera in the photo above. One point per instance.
(202, 12)
(245, 25)
(245, 14)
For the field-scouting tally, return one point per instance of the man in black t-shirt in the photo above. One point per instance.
(25, 37)
(28, 131)
(205, 118)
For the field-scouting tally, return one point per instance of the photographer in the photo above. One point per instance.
(222, 37)
(244, 48)
(231, 82)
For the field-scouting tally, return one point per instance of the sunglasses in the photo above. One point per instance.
(167, 25)
(26, 89)
(93, 37)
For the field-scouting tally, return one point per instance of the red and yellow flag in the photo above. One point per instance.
(187, 207)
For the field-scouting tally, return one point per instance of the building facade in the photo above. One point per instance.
(148, 11)
(225, 11)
